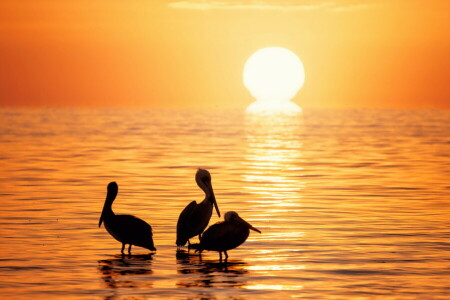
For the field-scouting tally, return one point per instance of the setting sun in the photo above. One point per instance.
(273, 76)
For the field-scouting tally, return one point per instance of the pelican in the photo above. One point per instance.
(226, 235)
(127, 229)
(195, 217)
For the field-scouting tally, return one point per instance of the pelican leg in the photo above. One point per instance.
(189, 245)
(129, 249)
(220, 255)
(226, 256)
(123, 247)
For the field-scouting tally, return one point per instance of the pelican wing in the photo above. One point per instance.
(184, 216)
(224, 236)
(131, 230)
(184, 224)
(131, 223)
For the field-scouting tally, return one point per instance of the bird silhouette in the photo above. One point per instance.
(127, 229)
(226, 235)
(195, 217)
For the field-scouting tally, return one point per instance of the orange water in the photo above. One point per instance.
(351, 204)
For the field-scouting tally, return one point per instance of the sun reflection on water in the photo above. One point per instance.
(273, 158)
(273, 176)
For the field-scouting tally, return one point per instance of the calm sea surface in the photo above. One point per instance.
(351, 204)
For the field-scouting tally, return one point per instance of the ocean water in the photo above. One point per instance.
(352, 204)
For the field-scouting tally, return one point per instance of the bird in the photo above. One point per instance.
(195, 216)
(127, 229)
(226, 235)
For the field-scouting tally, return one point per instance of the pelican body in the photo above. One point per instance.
(195, 217)
(226, 235)
(127, 229)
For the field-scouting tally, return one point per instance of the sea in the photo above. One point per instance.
(351, 204)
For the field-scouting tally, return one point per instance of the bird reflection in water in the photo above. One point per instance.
(127, 271)
(202, 273)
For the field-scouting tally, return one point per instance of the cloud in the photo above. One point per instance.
(262, 5)
(353, 7)
(242, 5)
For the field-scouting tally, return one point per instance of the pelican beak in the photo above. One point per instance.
(249, 225)
(215, 204)
(254, 228)
(102, 216)
(213, 198)
(101, 220)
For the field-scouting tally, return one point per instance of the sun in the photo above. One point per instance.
(273, 76)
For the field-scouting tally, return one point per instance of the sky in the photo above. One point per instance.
(190, 54)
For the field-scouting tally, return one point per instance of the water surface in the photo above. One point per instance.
(351, 204)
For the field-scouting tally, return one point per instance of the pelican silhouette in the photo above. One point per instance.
(226, 235)
(127, 229)
(195, 217)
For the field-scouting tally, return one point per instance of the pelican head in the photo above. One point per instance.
(113, 188)
(233, 216)
(202, 174)
(203, 179)
(111, 194)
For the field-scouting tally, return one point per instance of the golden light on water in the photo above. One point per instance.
(276, 267)
(276, 287)
(330, 219)
(273, 77)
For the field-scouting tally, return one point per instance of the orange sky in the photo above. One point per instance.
(176, 54)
